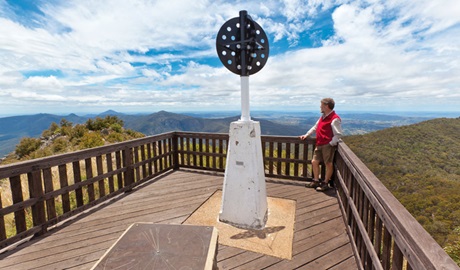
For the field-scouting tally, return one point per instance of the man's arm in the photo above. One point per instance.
(337, 131)
(311, 131)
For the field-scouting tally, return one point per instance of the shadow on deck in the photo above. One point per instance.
(320, 235)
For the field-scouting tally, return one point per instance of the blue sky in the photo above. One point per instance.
(80, 56)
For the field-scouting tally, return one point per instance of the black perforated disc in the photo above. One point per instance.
(230, 45)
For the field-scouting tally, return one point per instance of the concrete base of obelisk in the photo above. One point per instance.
(244, 198)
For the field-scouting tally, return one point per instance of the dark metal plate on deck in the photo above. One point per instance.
(162, 246)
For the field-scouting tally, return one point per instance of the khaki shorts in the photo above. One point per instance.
(324, 153)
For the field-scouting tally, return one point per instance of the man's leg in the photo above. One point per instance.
(329, 171)
(328, 155)
(317, 156)
(315, 167)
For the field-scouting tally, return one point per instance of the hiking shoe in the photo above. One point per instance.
(313, 184)
(323, 187)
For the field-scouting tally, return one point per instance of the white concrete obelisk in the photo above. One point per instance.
(243, 48)
(244, 199)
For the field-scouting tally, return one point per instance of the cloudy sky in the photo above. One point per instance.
(64, 56)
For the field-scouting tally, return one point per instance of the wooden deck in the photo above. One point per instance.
(320, 238)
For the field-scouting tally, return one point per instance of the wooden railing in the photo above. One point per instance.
(39, 193)
(384, 234)
(284, 157)
(43, 192)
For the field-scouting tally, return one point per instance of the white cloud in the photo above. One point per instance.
(50, 83)
(139, 53)
(150, 73)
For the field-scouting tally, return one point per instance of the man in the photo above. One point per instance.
(328, 132)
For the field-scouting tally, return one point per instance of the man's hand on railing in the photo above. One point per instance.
(303, 137)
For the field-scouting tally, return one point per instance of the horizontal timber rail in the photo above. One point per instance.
(384, 234)
(284, 157)
(38, 194)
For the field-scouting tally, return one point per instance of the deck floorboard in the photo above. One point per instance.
(320, 238)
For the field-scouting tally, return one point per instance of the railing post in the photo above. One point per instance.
(2, 222)
(175, 150)
(36, 192)
(128, 164)
(16, 194)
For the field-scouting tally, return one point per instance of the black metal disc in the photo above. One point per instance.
(230, 45)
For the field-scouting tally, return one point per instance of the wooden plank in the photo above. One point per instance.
(193, 154)
(89, 175)
(137, 168)
(79, 240)
(270, 154)
(36, 192)
(307, 256)
(206, 149)
(287, 164)
(279, 149)
(386, 253)
(160, 152)
(77, 179)
(50, 203)
(109, 162)
(150, 157)
(331, 259)
(349, 263)
(100, 171)
(144, 166)
(16, 194)
(119, 164)
(397, 260)
(2, 222)
(296, 156)
(221, 151)
(182, 148)
(173, 198)
(128, 176)
(305, 164)
(64, 183)
(171, 154)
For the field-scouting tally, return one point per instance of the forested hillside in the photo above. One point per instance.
(420, 165)
(67, 137)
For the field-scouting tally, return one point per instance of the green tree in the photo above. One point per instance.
(79, 131)
(26, 146)
(65, 123)
(60, 145)
(101, 123)
(90, 140)
(53, 128)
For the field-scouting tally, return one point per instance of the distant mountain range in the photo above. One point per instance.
(13, 128)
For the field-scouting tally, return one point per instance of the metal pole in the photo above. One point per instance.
(245, 99)
(244, 76)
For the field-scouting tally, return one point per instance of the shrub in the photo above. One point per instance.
(101, 123)
(90, 140)
(60, 145)
(65, 123)
(26, 146)
(115, 137)
(53, 128)
(117, 127)
(134, 134)
(79, 131)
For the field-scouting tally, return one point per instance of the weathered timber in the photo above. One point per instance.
(383, 234)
